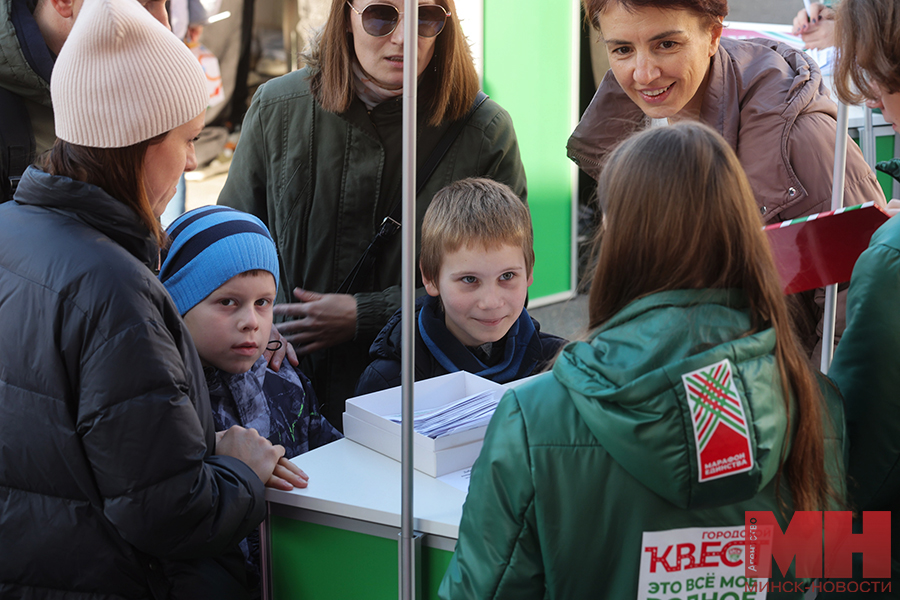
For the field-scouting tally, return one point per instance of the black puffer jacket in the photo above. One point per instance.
(108, 486)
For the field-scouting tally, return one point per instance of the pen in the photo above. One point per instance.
(806, 5)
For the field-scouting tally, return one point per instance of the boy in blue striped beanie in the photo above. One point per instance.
(221, 269)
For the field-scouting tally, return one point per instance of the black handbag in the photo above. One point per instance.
(391, 224)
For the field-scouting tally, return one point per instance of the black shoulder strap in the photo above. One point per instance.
(391, 224)
(16, 143)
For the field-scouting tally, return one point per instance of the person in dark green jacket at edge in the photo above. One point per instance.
(592, 479)
(865, 362)
(319, 162)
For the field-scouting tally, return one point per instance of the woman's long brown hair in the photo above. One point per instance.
(117, 171)
(867, 36)
(449, 83)
(679, 214)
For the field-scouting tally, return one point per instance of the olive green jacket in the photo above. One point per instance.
(323, 183)
(580, 463)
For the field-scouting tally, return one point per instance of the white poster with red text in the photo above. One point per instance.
(695, 563)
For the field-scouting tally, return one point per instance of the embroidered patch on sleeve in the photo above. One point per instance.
(721, 431)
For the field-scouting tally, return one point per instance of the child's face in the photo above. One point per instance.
(483, 291)
(231, 326)
(889, 105)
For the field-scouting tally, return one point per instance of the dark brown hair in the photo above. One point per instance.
(679, 213)
(449, 83)
(867, 36)
(117, 171)
(711, 10)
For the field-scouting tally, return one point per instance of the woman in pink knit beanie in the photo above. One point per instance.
(112, 483)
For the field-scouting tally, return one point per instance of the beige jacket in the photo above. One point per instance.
(769, 102)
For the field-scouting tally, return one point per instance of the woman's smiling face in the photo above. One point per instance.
(660, 57)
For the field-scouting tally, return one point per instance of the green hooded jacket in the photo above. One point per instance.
(865, 369)
(582, 463)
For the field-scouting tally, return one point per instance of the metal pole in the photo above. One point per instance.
(867, 139)
(837, 201)
(265, 556)
(407, 300)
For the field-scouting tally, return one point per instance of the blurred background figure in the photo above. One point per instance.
(32, 34)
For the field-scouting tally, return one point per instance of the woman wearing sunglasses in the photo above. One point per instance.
(319, 162)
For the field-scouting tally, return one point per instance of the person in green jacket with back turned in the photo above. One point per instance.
(627, 470)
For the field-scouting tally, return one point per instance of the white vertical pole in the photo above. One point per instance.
(407, 299)
(837, 201)
(867, 139)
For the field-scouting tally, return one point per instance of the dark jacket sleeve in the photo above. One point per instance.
(381, 374)
(500, 508)
(500, 159)
(147, 447)
(246, 186)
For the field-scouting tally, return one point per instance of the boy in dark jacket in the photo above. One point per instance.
(221, 269)
(476, 261)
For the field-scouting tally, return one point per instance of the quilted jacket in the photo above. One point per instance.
(580, 464)
(108, 483)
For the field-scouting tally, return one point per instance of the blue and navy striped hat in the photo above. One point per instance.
(209, 246)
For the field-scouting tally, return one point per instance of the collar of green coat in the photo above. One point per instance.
(626, 383)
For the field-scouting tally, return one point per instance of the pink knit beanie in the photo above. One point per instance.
(122, 78)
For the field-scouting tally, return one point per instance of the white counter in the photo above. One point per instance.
(349, 480)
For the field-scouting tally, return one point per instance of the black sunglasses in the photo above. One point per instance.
(379, 20)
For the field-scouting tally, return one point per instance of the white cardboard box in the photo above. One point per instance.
(366, 422)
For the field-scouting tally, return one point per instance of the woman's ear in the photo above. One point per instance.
(716, 36)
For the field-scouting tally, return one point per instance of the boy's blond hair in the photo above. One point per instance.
(474, 210)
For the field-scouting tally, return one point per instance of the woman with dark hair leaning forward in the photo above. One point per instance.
(689, 403)
(668, 60)
(319, 162)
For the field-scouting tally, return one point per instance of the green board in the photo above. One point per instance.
(527, 58)
(884, 150)
(318, 562)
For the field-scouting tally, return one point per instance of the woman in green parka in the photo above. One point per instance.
(626, 472)
(319, 161)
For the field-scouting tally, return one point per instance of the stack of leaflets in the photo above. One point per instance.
(464, 414)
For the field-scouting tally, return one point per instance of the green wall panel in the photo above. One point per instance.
(527, 70)
(884, 150)
(317, 562)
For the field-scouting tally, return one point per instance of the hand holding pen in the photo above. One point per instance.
(815, 25)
